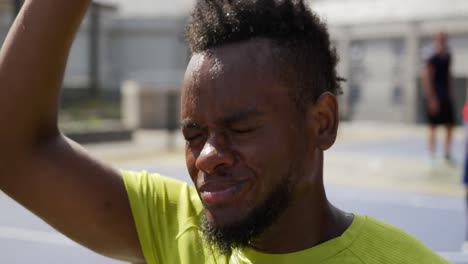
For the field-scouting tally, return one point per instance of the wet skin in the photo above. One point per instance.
(240, 136)
(245, 136)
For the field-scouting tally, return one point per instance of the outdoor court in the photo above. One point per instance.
(386, 176)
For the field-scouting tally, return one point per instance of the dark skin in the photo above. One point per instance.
(39, 167)
(86, 199)
(243, 129)
(441, 46)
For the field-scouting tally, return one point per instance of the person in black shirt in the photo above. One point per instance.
(438, 91)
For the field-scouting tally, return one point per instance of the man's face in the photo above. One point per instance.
(440, 42)
(244, 138)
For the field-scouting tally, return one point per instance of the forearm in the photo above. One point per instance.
(427, 83)
(451, 87)
(427, 90)
(32, 63)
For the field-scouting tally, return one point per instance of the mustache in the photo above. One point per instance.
(224, 177)
(224, 239)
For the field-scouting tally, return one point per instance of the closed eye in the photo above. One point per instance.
(192, 138)
(244, 130)
(191, 130)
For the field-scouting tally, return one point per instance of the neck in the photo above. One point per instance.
(442, 52)
(309, 221)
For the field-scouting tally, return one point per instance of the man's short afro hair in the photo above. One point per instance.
(306, 59)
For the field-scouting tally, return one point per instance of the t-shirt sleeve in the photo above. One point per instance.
(431, 60)
(161, 208)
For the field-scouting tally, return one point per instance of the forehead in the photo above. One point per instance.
(255, 56)
(232, 78)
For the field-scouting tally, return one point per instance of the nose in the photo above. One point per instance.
(215, 156)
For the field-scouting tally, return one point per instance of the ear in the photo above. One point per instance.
(322, 121)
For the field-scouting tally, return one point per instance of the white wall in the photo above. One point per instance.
(149, 51)
(5, 21)
(378, 58)
(77, 71)
(459, 46)
(377, 75)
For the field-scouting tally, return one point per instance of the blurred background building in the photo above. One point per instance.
(382, 45)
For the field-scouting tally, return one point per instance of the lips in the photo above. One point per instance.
(215, 193)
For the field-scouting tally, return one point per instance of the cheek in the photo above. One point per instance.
(268, 161)
(269, 149)
(190, 158)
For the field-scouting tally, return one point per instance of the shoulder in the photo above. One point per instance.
(432, 59)
(380, 242)
(155, 188)
(166, 213)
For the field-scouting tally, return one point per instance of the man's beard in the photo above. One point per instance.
(239, 235)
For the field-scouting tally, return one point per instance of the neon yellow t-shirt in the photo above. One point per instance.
(167, 211)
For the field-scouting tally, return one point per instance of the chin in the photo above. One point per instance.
(224, 218)
(233, 225)
(223, 234)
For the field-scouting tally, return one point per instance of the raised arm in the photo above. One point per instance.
(451, 85)
(428, 89)
(427, 81)
(39, 167)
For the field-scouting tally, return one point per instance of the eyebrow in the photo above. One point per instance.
(241, 116)
(229, 119)
(189, 124)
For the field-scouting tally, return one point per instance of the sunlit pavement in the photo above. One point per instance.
(374, 169)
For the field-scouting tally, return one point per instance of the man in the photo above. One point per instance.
(258, 111)
(438, 91)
